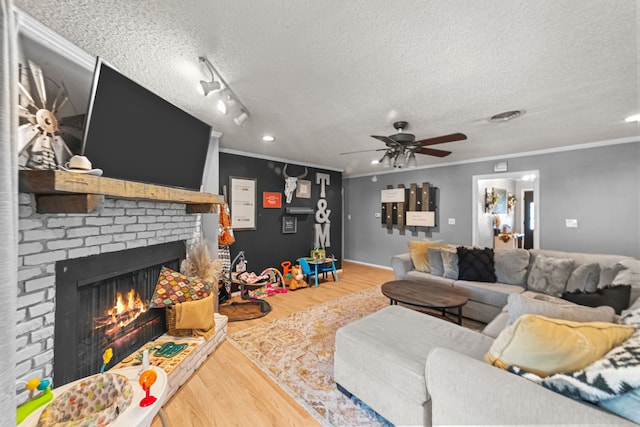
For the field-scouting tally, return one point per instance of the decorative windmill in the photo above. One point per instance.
(44, 140)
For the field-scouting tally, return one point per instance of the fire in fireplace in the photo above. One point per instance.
(102, 302)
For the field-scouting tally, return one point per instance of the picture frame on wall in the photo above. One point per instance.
(289, 224)
(500, 201)
(303, 190)
(271, 200)
(242, 202)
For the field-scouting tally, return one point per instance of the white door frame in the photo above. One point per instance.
(475, 197)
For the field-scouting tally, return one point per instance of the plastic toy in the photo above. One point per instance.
(286, 268)
(31, 405)
(146, 380)
(297, 279)
(106, 358)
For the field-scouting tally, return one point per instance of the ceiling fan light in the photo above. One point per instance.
(412, 162)
(386, 160)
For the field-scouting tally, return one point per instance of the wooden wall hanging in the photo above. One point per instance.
(415, 206)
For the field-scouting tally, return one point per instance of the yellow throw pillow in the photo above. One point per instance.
(546, 346)
(420, 255)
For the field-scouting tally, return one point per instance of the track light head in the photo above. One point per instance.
(241, 118)
(208, 87)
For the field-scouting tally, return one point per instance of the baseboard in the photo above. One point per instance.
(384, 267)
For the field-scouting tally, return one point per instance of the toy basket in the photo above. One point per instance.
(170, 313)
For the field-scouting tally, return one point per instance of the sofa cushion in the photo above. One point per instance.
(630, 274)
(494, 294)
(418, 275)
(546, 346)
(476, 264)
(558, 309)
(549, 275)
(450, 263)
(584, 278)
(511, 266)
(378, 344)
(616, 297)
(609, 273)
(435, 261)
(419, 254)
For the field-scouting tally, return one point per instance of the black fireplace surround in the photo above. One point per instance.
(86, 288)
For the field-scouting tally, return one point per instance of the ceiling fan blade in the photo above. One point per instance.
(441, 139)
(364, 151)
(433, 152)
(390, 142)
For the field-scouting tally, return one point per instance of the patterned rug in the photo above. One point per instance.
(296, 351)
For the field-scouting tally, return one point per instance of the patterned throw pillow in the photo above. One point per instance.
(174, 288)
(476, 264)
(549, 275)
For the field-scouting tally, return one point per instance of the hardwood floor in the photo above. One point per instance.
(229, 390)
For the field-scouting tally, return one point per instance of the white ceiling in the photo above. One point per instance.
(324, 75)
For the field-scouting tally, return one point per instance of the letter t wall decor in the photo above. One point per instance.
(414, 206)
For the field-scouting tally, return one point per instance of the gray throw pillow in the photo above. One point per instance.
(511, 266)
(450, 263)
(608, 274)
(549, 275)
(435, 262)
(584, 278)
(520, 304)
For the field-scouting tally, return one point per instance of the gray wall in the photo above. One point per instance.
(600, 187)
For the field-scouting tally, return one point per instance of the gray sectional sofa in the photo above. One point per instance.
(419, 370)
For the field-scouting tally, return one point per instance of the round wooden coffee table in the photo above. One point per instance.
(426, 294)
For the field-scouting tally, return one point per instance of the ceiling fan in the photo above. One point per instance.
(402, 147)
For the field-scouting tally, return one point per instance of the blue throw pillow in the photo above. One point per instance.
(626, 405)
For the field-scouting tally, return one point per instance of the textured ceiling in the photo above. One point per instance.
(324, 75)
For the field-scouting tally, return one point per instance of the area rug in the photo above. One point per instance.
(296, 351)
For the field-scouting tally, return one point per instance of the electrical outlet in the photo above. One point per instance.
(571, 223)
(349, 217)
(377, 214)
(452, 221)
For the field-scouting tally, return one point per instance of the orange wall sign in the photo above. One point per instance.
(271, 200)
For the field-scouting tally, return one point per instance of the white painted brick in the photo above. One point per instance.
(146, 219)
(113, 247)
(32, 373)
(30, 248)
(40, 283)
(146, 204)
(41, 309)
(185, 236)
(51, 294)
(161, 233)
(136, 244)
(64, 222)
(98, 240)
(48, 370)
(108, 220)
(64, 244)
(42, 234)
(29, 224)
(164, 218)
(45, 258)
(176, 232)
(25, 211)
(136, 227)
(42, 334)
(50, 268)
(177, 206)
(124, 237)
(21, 315)
(21, 341)
(42, 358)
(20, 261)
(153, 227)
(83, 252)
(49, 343)
(109, 203)
(83, 232)
(156, 240)
(126, 219)
(28, 273)
(112, 212)
(121, 203)
(28, 326)
(49, 319)
(25, 198)
(135, 211)
(146, 234)
(177, 218)
(154, 212)
(23, 368)
(111, 229)
(29, 351)
(171, 226)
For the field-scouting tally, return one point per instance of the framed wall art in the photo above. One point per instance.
(271, 200)
(289, 224)
(242, 203)
(303, 191)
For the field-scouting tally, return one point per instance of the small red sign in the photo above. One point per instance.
(271, 200)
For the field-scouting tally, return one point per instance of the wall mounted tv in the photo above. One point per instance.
(135, 135)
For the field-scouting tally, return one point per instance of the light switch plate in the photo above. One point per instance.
(452, 221)
(571, 223)
(377, 214)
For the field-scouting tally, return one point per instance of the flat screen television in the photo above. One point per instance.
(135, 135)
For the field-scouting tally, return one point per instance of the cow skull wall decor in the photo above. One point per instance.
(291, 182)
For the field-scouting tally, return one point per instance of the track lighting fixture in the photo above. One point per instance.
(227, 99)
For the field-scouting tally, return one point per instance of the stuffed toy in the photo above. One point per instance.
(297, 279)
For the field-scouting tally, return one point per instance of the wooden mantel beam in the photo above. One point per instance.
(63, 184)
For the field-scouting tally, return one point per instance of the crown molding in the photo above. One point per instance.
(278, 159)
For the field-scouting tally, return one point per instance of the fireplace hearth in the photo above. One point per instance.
(102, 302)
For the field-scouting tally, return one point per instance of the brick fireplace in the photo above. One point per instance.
(47, 239)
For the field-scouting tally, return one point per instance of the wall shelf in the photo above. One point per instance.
(68, 192)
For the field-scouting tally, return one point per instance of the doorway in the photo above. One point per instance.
(521, 184)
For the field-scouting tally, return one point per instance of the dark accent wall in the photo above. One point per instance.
(267, 246)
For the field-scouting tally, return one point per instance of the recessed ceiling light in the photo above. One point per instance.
(506, 116)
(268, 138)
(634, 118)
